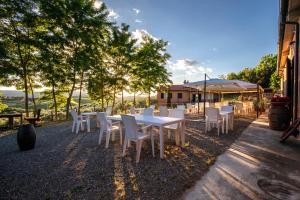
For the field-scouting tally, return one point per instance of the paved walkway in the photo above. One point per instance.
(256, 166)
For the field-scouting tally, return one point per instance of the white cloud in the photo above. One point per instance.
(138, 21)
(112, 14)
(98, 4)
(214, 49)
(136, 11)
(187, 69)
(138, 34)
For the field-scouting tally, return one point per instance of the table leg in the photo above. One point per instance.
(10, 122)
(88, 123)
(226, 123)
(161, 142)
(182, 133)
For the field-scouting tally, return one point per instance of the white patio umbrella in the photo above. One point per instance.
(223, 86)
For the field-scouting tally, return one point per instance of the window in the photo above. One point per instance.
(162, 95)
(179, 95)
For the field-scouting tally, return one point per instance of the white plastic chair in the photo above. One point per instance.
(181, 107)
(163, 111)
(132, 110)
(176, 113)
(109, 128)
(231, 116)
(148, 111)
(153, 107)
(212, 117)
(77, 121)
(108, 110)
(240, 108)
(132, 134)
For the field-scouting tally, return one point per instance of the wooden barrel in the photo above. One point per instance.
(279, 117)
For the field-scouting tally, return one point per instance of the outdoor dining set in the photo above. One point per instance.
(142, 124)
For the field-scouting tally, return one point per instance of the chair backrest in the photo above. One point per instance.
(239, 106)
(212, 114)
(108, 110)
(104, 124)
(38, 114)
(152, 106)
(74, 115)
(176, 113)
(189, 105)
(181, 107)
(163, 111)
(148, 111)
(130, 126)
(132, 110)
(227, 108)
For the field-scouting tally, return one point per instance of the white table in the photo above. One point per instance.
(159, 122)
(88, 120)
(226, 114)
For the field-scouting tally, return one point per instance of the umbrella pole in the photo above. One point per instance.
(257, 96)
(204, 96)
(198, 100)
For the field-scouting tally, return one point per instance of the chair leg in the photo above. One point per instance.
(82, 125)
(218, 126)
(73, 127)
(152, 143)
(169, 134)
(176, 134)
(77, 128)
(206, 127)
(124, 146)
(100, 136)
(121, 136)
(138, 148)
(107, 138)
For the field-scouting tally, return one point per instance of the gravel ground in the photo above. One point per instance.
(64, 165)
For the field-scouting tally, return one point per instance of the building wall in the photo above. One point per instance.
(174, 100)
(187, 97)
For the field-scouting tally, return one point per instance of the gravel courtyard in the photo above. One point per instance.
(64, 165)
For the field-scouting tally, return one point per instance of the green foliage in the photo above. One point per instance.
(264, 73)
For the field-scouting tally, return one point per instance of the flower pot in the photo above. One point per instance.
(26, 137)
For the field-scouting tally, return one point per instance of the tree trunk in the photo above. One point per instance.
(149, 98)
(134, 98)
(114, 100)
(32, 96)
(26, 91)
(70, 97)
(80, 88)
(54, 101)
(122, 100)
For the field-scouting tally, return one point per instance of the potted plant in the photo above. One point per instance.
(279, 113)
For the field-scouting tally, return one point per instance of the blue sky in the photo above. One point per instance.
(214, 36)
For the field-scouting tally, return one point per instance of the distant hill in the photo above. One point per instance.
(17, 93)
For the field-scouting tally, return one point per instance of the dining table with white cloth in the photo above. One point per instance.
(159, 122)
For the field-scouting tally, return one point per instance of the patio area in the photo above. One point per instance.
(66, 165)
(256, 166)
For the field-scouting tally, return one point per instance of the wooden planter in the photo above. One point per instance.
(279, 116)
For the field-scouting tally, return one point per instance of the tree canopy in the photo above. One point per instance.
(66, 46)
(264, 73)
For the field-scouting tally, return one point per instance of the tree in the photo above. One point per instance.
(152, 58)
(264, 73)
(119, 59)
(18, 26)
